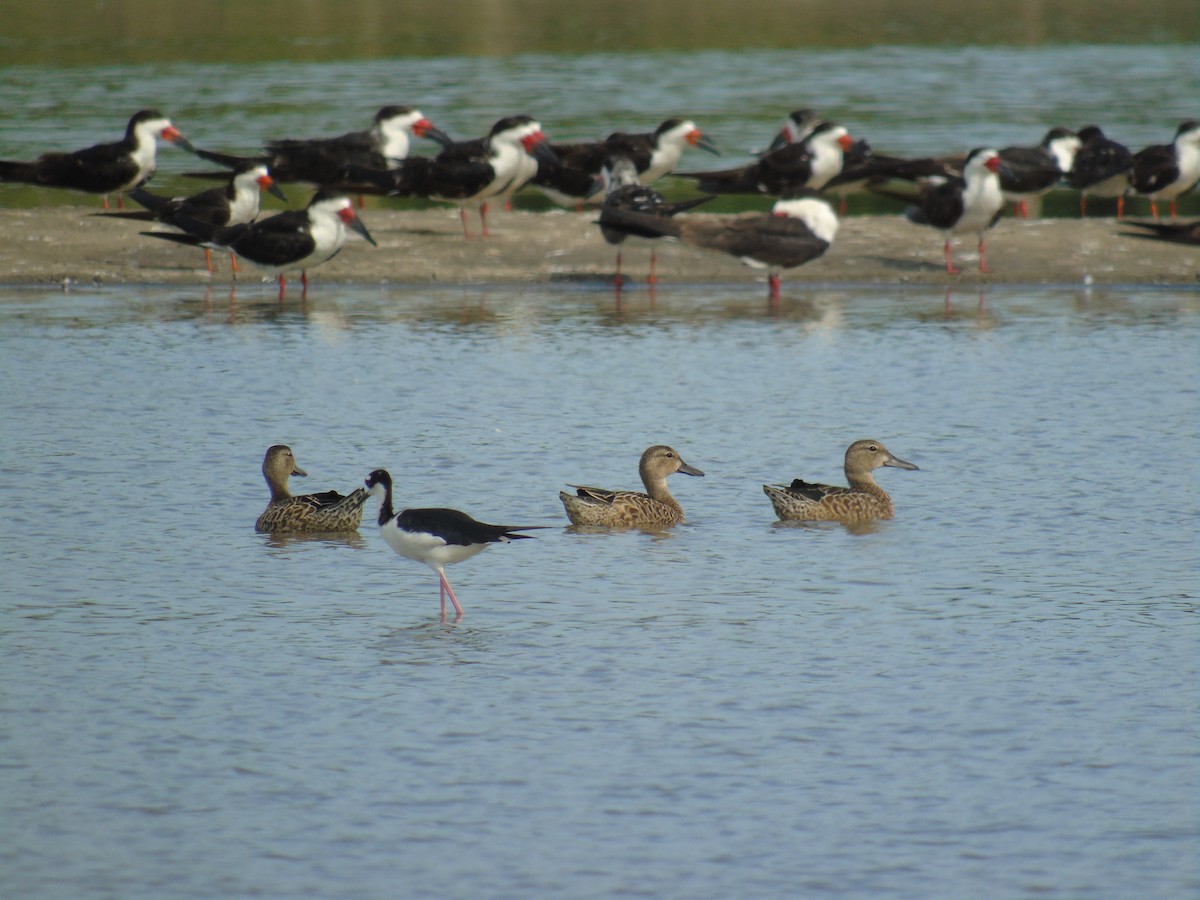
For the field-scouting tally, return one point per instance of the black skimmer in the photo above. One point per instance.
(574, 178)
(657, 153)
(529, 164)
(798, 125)
(794, 232)
(466, 172)
(624, 192)
(322, 161)
(785, 172)
(1164, 171)
(1032, 171)
(296, 239)
(235, 204)
(1172, 232)
(1101, 169)
(973, 202)
(103, 168)
(861, 166)
(568, 184)
(436, 537)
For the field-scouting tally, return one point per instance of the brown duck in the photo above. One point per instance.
(632, 509)
(862, 501)
(308, 513)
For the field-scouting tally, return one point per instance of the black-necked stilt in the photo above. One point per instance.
(436, 537)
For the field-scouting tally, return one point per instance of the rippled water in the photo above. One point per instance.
(994, 694)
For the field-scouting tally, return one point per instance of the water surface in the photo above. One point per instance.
(995, 693)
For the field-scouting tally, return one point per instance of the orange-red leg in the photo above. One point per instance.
(950, 267)
(773, 285)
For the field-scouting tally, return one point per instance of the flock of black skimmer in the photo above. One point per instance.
(809, 160)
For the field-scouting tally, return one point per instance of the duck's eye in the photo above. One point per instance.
(874, 449)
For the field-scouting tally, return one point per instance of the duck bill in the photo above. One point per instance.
(423, 128)
(896, 463)
(845, 142)
(697, 139)
(296, 470)
(688, 470)
(352, 221)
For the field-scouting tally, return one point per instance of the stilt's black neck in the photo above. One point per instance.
(385, 505)
(381, 477)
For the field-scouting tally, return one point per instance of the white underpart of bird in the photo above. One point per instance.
(982, 197)
(828, 156)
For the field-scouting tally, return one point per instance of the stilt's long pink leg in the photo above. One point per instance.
(450, 591)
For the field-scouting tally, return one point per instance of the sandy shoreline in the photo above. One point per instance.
(57, 244)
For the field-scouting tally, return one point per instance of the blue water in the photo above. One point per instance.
(994, 694)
